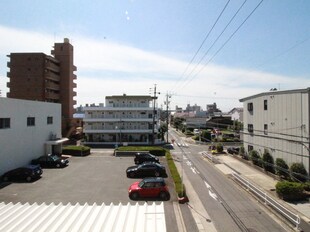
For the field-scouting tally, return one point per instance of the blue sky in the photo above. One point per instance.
(127, 46)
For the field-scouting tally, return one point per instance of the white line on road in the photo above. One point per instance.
(211, 194)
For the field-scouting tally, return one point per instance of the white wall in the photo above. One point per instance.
(21, 143)
(287, 118)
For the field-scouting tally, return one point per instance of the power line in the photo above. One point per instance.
(224, 44)
(282, 53)
(206, 37)
(206, 53)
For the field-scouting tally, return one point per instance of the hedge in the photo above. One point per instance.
(179, 187)
(157, 151)
(76, 150)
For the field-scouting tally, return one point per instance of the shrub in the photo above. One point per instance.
(206, 136)
(298, 172)
(242, 153)
(282, 168)
(256, 159)
(76, 150)
(307, 186)
(219, 147)
(290, 190)
(268, 163)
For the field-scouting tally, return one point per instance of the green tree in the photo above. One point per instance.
(178, 123)
(255, 157)
(298, 172)
(162, 130)
(268, 163)
(219, 147)
(205, 136)
(282, 168)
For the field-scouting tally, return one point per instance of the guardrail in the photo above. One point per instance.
(292, 217)
(209, 156)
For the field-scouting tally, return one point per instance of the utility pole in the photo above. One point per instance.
(154, 111)
(167, 112)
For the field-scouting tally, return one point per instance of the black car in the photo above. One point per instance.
(50, 161)
(233, 150)
(27, 173)
(145, 157)
(147, 169)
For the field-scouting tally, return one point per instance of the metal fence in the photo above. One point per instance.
(263, 196)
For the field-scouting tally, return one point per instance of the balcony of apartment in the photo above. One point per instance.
(52, 76)
(118, 131)
(119, 109)
(53, 86)
(74, 76)
(74, 85)
(8, 74)
(52, 95)
(113, 119)
(53, 68)
(74, 68)
(8, 84)
(8, 64)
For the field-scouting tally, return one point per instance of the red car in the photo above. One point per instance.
(151, 187)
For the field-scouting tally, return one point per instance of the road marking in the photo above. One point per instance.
(211, 194)
(194, 170)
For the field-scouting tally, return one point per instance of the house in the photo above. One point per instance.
(278, 121)
(124, 120)
(28, 129)
(236, 114)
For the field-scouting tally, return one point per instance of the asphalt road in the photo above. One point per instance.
(230, 208)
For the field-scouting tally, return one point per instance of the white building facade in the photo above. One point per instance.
(279, 121)
(28, 129)
(124, 120)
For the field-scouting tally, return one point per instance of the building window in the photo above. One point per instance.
(5, 123)
(49, 120)
(250, 148)
(250, 128)
(31, 121)
(265, 129)
(265, 105)
(250, 106)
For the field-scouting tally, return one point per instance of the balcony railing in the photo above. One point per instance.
(54, 96)
(50, 85)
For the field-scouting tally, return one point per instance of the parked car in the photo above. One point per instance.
(27, 173)
(168, 146)
(143, 157)
(233, 150)
(49, 161)
(147, 169)
(153, 187)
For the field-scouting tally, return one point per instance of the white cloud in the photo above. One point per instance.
(109, 68)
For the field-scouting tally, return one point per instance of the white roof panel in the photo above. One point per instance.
(48, 218)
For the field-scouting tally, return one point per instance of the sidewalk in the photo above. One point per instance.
(228, 164)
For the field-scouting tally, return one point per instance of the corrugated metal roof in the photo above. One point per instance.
(34, 217)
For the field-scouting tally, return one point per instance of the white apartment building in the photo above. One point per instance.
(280, 122)
(28, 129)
(124, 120)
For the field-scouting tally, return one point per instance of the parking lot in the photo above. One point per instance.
(97, 178)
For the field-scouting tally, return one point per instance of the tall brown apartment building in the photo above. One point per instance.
(41, 77)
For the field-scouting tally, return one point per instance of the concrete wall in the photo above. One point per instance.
(21, 143)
